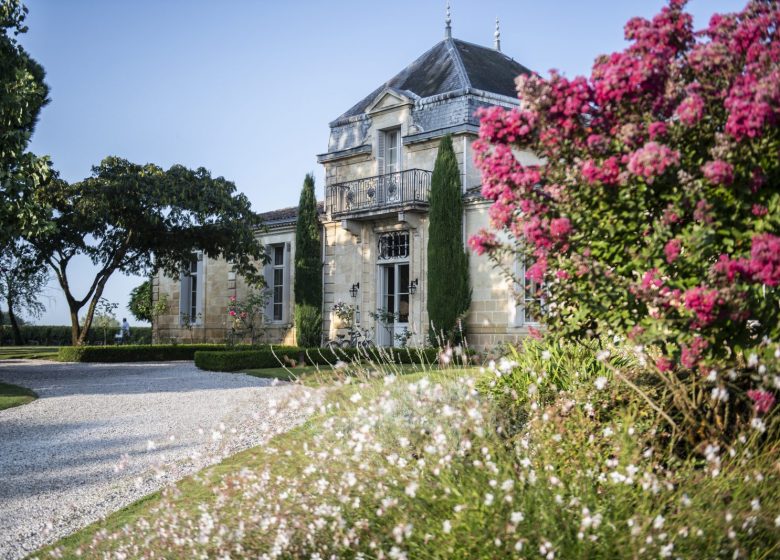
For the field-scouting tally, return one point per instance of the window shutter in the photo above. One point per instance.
(200, 288)
(380, 152)
(268, 274)
(286, 311)
(184, 289)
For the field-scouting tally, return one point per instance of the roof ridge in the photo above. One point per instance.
(458, 62)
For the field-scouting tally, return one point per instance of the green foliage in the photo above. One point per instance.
(60, 335)
(22, 282)
(308, 268)
(134, 353)
(23, 94)
(308, 325)
(163, 217)
(141, 302)
(449, 294)
(239, 360)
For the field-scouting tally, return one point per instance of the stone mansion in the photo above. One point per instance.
(374, 216)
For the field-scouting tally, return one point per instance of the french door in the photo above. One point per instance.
(393, 302)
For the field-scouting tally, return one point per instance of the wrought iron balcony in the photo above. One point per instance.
(400, 190)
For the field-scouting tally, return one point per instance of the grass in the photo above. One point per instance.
(29, 352)
(13, 395)
(317, 376)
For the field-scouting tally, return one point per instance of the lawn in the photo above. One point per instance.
(13, 395)
(315, 376)
(28, 352)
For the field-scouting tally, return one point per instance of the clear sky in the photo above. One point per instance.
(246, 88)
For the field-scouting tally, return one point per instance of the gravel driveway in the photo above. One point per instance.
(103, 435)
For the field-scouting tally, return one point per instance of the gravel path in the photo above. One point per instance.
(103, 435)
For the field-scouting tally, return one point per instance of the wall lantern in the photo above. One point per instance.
(413, 286)
(353, 291)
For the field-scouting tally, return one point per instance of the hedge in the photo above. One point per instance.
(60, 335)
(134, 352)
(267, 357)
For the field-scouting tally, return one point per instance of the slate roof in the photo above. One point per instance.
(451, 65)
(285, 216)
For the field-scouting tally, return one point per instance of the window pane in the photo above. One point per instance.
(403, 273)
(277, 312)
(403, 308)
(278, 255)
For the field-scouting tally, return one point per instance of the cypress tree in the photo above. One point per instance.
(449, 294)
(308, 269)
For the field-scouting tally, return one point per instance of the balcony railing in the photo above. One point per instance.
(411, 187)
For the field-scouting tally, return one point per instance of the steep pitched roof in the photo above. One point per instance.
(451, 65)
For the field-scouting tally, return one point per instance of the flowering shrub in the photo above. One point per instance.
(656, 211)
(246, 316)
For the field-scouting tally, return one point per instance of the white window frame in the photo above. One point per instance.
(393, 148)
(280, 267)
(521, 303)
(191, 300)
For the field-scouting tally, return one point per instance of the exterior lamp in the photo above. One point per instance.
(353, 291)
(413, 286)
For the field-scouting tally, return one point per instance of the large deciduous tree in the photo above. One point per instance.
(656, 215)
(449, 293)
(22, 282)
(22, 95)
(308, 269)
(138, 219)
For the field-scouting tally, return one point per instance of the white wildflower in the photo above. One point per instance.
(600, 382)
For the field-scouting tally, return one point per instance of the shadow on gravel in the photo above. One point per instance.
(54, 379)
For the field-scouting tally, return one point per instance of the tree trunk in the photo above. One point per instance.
(75, 328)
(18, 340)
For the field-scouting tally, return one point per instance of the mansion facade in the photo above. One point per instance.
(374, 215)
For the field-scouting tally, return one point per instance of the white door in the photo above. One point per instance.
(393, 304)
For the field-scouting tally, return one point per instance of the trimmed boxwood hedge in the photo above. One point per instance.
(134, 353)
(264, 357)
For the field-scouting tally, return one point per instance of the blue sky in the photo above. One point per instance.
(247, 88)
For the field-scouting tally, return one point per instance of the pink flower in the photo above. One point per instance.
(765, 259)
(703, 302)
(718, 172)
(663, 364)
(536, 271)
(607, 173)
(691, 354)
(560, 227)
(232, 313)
(483, 242)
(691, 110)
(652, 160)
(672, 250)
(656, 130)
(759, 210)
(763, 401)
(732, 268)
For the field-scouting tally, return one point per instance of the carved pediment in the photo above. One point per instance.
(389, 98)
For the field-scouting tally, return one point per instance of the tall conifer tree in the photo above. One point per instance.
(449, 293)
(308, 269)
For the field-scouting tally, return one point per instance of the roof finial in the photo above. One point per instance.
(497, 38)
(448, 22)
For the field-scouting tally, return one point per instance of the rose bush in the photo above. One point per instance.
(655, 211)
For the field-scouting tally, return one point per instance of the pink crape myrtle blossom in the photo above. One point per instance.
(655, 212)
(765, 259)
(719, 172)
(652, 160)
(763, 401)
(691, 110)
(672, 250)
